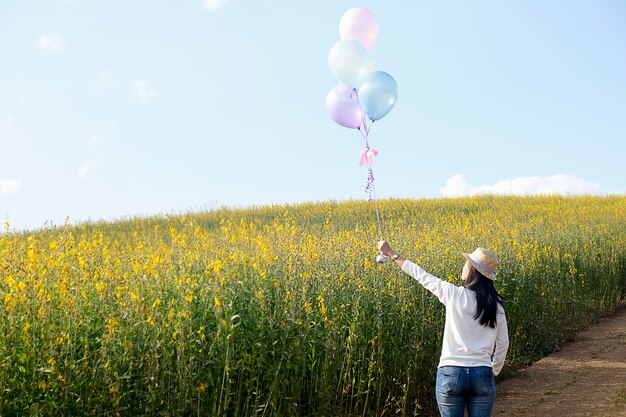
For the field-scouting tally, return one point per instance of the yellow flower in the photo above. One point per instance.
(111, 325)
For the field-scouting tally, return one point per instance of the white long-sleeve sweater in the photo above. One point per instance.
(466, 342)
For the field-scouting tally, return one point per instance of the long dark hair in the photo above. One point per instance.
(487, 298)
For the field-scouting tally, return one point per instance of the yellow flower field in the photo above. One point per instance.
(280, 311)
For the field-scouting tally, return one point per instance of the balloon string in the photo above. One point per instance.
(369, 187)
(372, 193)
(366, 129)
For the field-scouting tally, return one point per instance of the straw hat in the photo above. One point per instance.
(484, 260)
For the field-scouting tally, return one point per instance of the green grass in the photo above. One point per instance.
(282, 310)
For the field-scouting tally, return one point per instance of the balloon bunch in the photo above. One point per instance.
(362, 92)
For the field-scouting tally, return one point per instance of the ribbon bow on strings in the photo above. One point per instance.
(367, 155)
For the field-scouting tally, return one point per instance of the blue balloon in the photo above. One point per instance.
(378, 93)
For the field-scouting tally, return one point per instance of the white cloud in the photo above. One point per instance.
(94, 141)
(9, 187)
(457, 186)
(7, 120)
(214, 5)
(104, 79)
(86, 168)
(11, 213)
(144, 91)
(50, 41)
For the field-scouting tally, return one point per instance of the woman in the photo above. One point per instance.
(475, 337)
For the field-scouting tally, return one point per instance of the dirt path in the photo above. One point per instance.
(587, 377)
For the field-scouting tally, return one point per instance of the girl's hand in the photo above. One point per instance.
(385, 248)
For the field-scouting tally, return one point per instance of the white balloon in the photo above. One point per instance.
(348, 62)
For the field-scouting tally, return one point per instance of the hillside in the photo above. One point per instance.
(283, 310)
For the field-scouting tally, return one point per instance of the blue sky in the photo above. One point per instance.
(111, 109)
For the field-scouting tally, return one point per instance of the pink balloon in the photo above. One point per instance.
(359, 24)
(342, 105)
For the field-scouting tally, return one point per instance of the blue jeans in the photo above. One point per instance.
(458, 387)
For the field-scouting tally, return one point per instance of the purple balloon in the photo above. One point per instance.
(342, 105)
